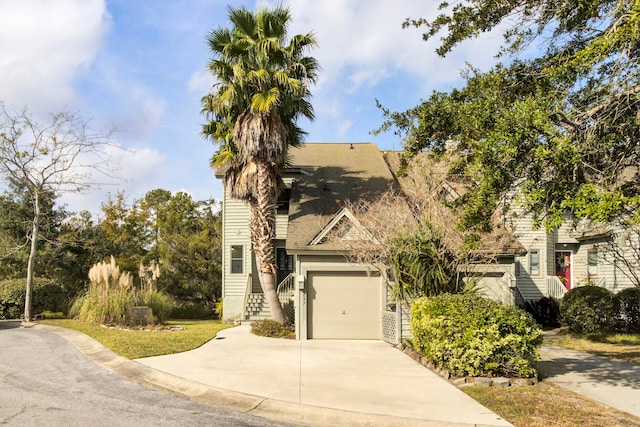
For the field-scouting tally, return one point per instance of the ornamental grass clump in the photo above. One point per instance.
(472, 336)
(160, 303)
(109, 298)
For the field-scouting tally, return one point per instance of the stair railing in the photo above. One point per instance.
(286, 291)
(247, 292)
(555, 288)
(519, 297)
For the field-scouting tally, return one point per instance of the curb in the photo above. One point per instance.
(271, 409)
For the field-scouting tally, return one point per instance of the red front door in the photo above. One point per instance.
(563, 267)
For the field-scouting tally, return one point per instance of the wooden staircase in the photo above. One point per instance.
(256, 308)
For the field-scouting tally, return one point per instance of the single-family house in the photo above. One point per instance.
(321, 291)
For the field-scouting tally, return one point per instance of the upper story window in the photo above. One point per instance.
(237, 259)
(282, 205)
(534, 262)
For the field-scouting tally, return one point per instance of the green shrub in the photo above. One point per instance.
(589, 309)
(629, 311)
(219, 308)
(191, 310)
(160, 303)
(46, 295)
(545, 311)
(53, 315)
(471, 335)
(271, 328)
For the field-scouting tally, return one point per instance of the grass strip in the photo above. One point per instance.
(134, 344)
(615, 346)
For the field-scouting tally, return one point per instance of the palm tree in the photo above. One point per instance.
(262, 89)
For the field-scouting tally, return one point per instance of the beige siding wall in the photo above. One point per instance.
(235, 217)
(282, 223)
(532, 286)
(612, 274)
(494, 281)
(564, 234)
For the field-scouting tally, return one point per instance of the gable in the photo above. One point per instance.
(344, 226)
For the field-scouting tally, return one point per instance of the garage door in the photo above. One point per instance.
(344, 305)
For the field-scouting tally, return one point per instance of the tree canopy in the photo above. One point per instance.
(262, 90)
(563, 126)
(46, 159)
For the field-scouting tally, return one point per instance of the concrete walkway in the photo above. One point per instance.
(612, 382)
(369, 382)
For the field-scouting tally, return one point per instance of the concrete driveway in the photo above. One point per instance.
(366, 377)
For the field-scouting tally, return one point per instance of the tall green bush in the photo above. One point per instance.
(471, 335)
(589, 309)
(161, 303)
(629, 311)
(423, 264)
(47, 295)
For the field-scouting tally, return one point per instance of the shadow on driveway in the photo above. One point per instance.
(603, 370)
(10, 324)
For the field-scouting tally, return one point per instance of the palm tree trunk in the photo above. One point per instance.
(262, 236)
(32, 256)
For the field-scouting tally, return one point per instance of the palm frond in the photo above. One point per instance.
(264, 101)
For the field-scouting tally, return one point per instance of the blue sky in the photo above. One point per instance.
(139, 66)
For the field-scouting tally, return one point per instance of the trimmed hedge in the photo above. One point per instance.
(629, 311)
(589, 309)
(46, 295)
(473, 336)
(592, 309)
(272, 329)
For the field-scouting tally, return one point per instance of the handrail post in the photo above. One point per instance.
(247, 292)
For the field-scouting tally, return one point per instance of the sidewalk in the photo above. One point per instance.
(612, 382)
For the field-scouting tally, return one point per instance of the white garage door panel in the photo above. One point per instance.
(344, 306)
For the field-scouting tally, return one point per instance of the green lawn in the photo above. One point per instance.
(134, 344)
(616, 346)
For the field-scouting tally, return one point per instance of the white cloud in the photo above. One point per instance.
(45, 45)
(201, 81)
(136, 170)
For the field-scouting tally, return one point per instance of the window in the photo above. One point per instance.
(534, 262)
(237, 259)
(592, 262)
(282, 205)
(517, 267)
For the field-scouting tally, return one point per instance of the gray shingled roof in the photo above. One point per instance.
(334, 173)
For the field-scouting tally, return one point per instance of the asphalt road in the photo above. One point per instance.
(44, 380)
